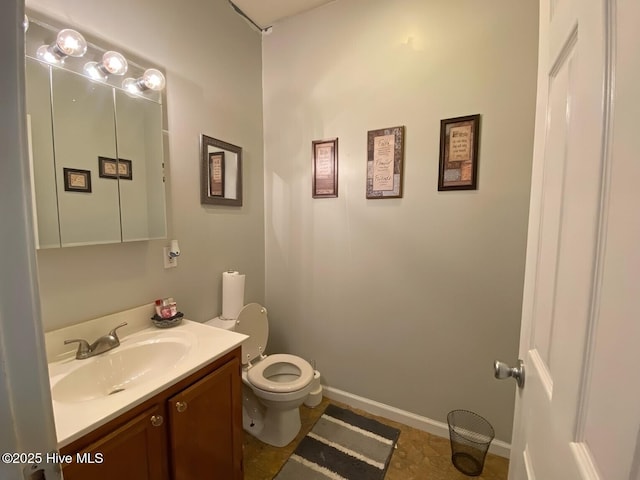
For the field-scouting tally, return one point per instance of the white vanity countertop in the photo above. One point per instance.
(75, 418)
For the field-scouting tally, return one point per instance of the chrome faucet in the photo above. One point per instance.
(103, 344)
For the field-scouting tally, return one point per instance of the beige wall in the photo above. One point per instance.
(213, 64)
(402, 301)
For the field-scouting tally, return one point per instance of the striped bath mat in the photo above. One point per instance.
(342, 445)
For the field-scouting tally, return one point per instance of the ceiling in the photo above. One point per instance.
(265, 13)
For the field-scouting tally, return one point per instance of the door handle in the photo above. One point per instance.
(502, 370)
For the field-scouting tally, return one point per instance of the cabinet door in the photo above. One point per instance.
(137, 450)
(205, 423)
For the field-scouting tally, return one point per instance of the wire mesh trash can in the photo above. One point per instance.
(470, 436)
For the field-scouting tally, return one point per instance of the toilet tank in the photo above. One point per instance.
(222, 323)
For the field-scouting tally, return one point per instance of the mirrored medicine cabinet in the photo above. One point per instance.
(96, 150)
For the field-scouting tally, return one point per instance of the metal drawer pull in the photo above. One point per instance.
(181, 406)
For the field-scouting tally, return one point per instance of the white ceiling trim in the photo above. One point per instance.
(264, 13)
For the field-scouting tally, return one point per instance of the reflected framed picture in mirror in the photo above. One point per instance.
(77, 180)
(216, 172)
(112, 168)
(125, 171)
(107, 167)
(221, 172)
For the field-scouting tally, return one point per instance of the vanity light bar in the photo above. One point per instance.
(70, 43)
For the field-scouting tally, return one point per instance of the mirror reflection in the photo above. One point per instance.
(221, 172)
(83, 130)
(95, 147)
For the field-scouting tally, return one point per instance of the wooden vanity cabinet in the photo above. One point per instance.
(201, 427)
(137, 450)
(192, 430)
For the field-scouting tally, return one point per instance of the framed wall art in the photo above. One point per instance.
(216, 172)
(385, 156)
(107, 167)
(459, 153)
(77, 180)
(112, 168)
(324, 182)
(125, 170)
(220, 172)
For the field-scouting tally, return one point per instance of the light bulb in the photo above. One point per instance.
(45, 54)
(153, 79)
(131, 85)
(93, 70)
(114, 63)
(71, 43)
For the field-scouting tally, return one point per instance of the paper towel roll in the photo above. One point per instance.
(232, 294)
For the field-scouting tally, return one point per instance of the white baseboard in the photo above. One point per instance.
(440, 429)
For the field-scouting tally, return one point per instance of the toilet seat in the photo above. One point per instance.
(252, 321)
(280, 364)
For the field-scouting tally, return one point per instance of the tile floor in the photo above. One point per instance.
(419, 456)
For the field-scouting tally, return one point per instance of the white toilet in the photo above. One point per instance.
(274, 386)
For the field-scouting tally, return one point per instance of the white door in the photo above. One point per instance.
(578, 415)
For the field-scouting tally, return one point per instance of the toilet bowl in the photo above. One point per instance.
(274, 386)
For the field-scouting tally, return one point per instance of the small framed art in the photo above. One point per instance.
(125, 169)
(107, 167)
(385, 156)
(216, 173)
(459, 153)
(77, 180)
(220, 172)
(324, 168)
(112, 168)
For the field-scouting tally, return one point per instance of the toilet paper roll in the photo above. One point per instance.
(315, 383)
(232, 294)
(314, 398)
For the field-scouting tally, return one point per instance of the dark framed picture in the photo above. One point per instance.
(324, 183)
(459, 153)
(220, 172)
(112, 168)
(125, 169)
(77, 180)
(216, 174)
(385, 156)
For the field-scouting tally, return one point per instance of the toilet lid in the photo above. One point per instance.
(257, 379)
(252, 321)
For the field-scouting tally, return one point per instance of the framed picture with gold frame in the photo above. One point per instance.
(459, 153)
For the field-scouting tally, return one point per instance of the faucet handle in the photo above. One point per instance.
(113, 332)
(83, 347)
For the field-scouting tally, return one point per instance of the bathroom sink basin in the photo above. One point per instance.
(120, 369)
